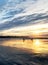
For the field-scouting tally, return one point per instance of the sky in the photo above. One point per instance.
(24, 17)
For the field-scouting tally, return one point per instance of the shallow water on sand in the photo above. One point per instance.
(27, 52)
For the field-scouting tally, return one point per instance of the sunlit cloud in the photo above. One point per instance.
(23, 17)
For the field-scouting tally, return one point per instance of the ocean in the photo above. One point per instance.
(28, 52)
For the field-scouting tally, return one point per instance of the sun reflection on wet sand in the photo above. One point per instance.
(39, 46)
(36, 45)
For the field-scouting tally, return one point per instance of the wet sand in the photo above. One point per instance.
(12, 55)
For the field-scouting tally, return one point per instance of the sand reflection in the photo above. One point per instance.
(36, 45)
(40, 46)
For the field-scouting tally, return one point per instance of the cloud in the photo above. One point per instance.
(25, 20)
(23, 13)
(22, 7)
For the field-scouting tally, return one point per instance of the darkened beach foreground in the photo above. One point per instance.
(17, 52)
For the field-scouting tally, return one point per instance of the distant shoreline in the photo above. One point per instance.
(23, 37)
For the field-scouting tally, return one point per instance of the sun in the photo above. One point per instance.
(37, 32)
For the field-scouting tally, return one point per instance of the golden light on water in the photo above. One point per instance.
(36, 45)
(37, 42)
(39, 46)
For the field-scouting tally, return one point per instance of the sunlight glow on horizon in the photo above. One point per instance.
(27, 30)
